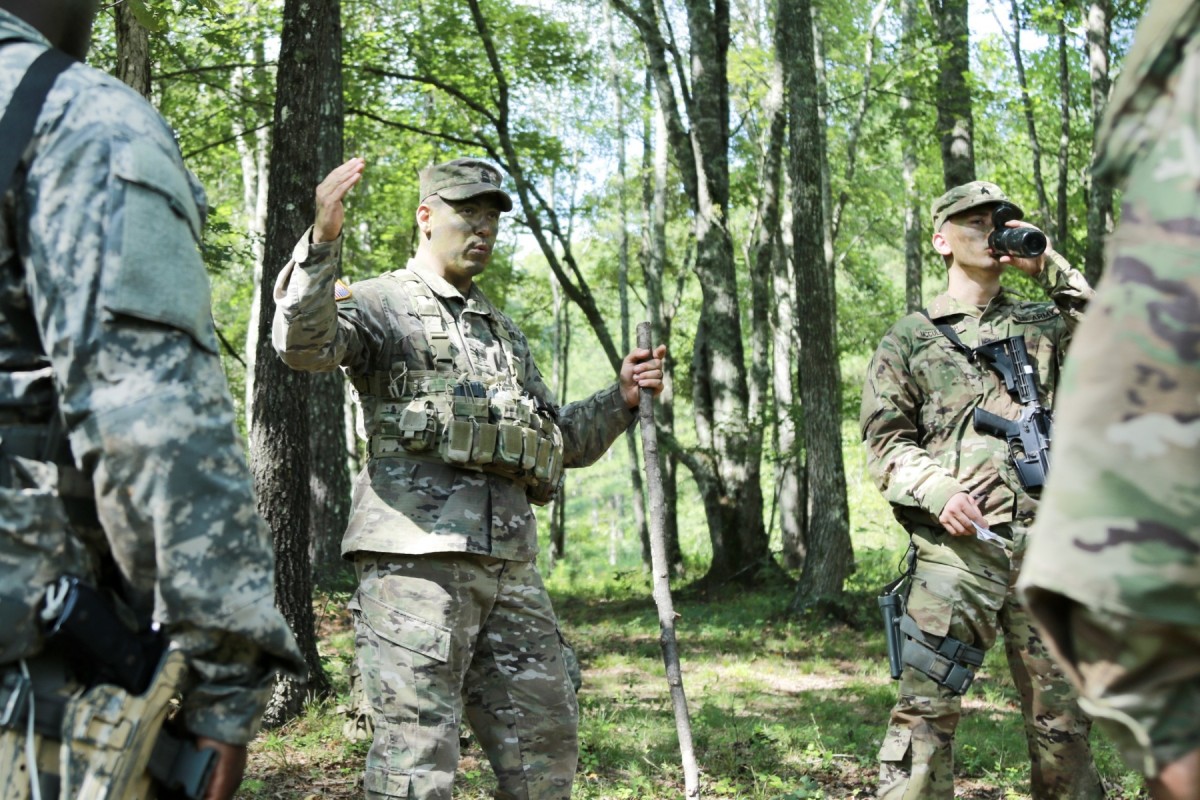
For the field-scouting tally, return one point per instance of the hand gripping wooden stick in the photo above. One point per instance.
(662, 586)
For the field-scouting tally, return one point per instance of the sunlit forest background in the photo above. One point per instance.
(753, 178)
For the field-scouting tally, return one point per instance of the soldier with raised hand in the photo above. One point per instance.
(959, 494)
(463, 434)
(1113, 571)
(123, 485)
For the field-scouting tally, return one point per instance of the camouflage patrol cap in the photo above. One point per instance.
(463, 178)
(967, 196)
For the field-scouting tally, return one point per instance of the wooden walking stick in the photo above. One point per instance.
(662, 587)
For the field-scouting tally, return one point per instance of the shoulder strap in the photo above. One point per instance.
(949, 333)
(16, 126)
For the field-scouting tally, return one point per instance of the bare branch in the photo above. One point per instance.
(164, 76)
(448, 88)
(226, 140)
(391, 123)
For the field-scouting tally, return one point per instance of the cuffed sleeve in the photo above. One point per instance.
(1067, 287)
(306, 331)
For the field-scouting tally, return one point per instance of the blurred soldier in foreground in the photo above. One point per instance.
(463, 434)
(954, 418)
(124, 496)
(1113, 575)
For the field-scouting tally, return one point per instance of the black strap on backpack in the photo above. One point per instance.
(16, 131)
(16, 126)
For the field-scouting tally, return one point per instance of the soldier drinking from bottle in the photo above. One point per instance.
(966, 490)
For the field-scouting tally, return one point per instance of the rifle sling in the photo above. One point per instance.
(949, 333)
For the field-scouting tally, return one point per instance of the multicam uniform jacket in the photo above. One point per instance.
(106, 342)
(921, 390)
(414, 503)
(1127, 515)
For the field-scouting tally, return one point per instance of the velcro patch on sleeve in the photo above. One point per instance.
(341, 291)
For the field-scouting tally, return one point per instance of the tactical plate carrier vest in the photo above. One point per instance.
(491, 426)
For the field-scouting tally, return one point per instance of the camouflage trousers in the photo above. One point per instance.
(439, 634)
(965, 588)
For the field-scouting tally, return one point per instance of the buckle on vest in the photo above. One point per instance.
(955, 650)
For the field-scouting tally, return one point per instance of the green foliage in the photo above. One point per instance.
(781, 708)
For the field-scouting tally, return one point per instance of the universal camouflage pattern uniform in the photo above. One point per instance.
(1114, 575)
(916, 421)
(450, 605)
(104, 318)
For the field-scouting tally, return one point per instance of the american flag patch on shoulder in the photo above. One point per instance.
(341, 291)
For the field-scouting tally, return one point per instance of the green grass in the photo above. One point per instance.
(781, 708)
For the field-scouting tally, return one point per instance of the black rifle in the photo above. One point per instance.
(102, 649)
(1028, 436)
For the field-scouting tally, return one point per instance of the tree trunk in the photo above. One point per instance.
(727, 464)
(864, 104)
(1064, 135)
(254, 154)
(791, 483)
(654, 260)
(912, 201)
(280, 437)
(330, 479)
(773, 352)
(133, 50)
(1035, 145)
(955, 123)
(830, 557)
(719, 369)
(562, 350)
(1100, 198)
(631, 435)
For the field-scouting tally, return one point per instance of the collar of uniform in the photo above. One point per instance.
(475, 299)
(946, 306)
(13, 27)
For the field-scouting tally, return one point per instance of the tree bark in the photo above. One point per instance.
(864, 104)
(830, 557)
(1100, 197)
(562, 350)
(791, 482)
(727, 466)
(330, 477)
(654, 261)
(773, 333)
(281, 433)
(955, 122)
(635, 470)
(1064, 134)
(133, 50)
(912, 201)
(1035, 145)
(254, 155)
